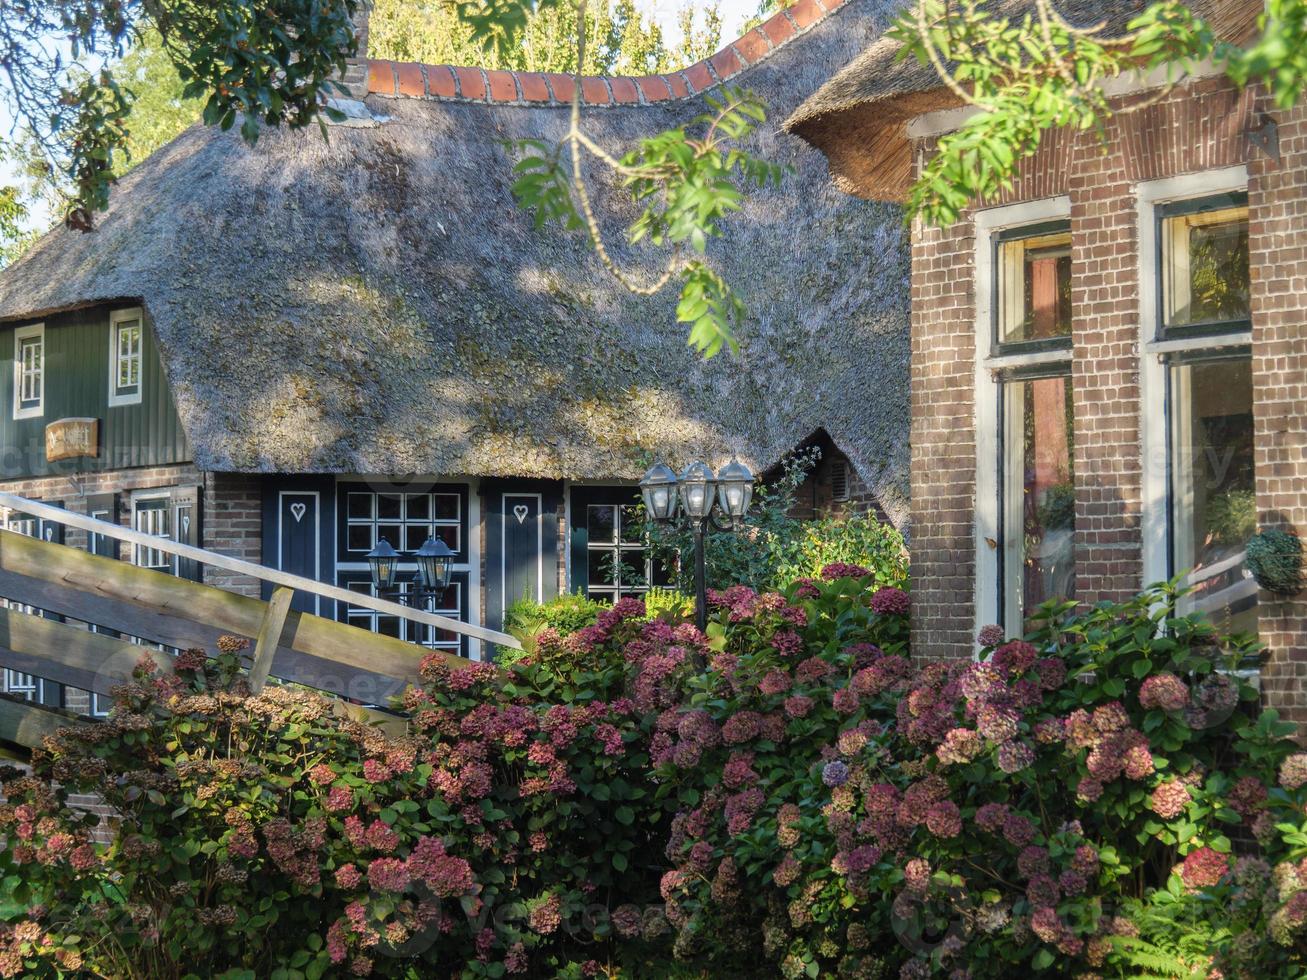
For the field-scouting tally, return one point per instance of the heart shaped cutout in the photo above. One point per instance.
(297, 511)
(520, 512)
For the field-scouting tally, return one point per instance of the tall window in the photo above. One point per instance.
(1204, 321)
(1036, 480)
(152, 515)
(125, 357)
(29, 372)
(405, 516)
(610, 557)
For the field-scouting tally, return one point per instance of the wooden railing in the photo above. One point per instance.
(120, 599)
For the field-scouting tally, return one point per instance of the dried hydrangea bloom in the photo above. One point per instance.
(1164, 691)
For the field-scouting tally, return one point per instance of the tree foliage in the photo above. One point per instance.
(260, 65)
(1034, 72)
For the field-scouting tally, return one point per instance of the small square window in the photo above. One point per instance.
(1204, 266)
(389, 506)
(1033, 285)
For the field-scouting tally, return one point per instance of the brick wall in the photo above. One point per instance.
(1278, 245)
(943, 438)
(1194, 129)
(233, 525)
(815, 497)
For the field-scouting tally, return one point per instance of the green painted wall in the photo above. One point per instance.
(77, 385)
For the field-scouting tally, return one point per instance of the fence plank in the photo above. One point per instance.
(132, 620)
(67, 654)
(26, 724)
(316, 651)
(216, 560)
(265, 647)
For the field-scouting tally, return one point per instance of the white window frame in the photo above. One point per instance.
(988, 391)
(1154, 420)
(116, 320)
(140, 497)
(35, 330)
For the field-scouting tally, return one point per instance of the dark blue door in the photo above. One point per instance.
(522, 558)
(300, 521)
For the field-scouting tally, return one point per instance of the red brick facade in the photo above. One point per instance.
(1195, 129)
(1278, 244)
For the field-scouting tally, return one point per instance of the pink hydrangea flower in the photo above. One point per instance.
(1203, 868)
(944, 819)
(1169, 800)
(798, 706)
(889, 601)
(840, 569)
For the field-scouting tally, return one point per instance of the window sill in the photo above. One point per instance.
(1160, 348)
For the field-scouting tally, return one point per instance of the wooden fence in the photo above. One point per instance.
(48, 584)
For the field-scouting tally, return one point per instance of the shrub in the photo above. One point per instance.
(858, 539)
(669, 605)
(789, 794)
(511, 831)
(565, 614)
(981, 819)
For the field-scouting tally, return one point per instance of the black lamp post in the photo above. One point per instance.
(701, 497)
(434, 561)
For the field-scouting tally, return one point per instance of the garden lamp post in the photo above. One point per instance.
(434, 561)
(700, 500)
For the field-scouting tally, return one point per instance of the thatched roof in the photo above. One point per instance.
(376, 303)
(859, 117)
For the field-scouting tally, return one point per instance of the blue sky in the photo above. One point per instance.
(734, 13)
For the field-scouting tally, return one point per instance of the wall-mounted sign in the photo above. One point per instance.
(69, 438)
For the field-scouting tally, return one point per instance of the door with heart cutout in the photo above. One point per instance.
(522, 547)
(298, 545)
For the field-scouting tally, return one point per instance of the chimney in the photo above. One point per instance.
(355, 78)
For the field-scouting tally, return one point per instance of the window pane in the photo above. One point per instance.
(1205, 267)
(389, 506)
(1214, 508)
(446, 506)
(1039, 487)
(391, 533)
(360, 537)
(603, 567)
(1034, 288)
(360, 506)
(418, 507)
(632, 526)
(601, 522)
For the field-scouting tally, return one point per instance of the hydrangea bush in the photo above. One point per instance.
(1050, 807)
(788, 794)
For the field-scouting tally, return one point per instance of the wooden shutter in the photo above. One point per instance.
(103, 506)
